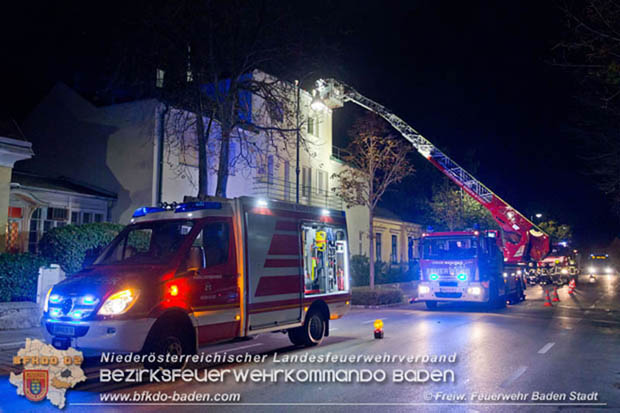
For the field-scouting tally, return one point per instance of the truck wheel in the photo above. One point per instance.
(431, 305)
(173, 341)
(314, 328)
(495, 300)
(296, 335)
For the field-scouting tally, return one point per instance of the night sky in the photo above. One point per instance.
(473, 77)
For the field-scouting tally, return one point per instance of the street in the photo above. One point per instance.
(571, 347)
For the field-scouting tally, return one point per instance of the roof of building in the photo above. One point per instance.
(385, 213)
(63, 184)
(10, 129)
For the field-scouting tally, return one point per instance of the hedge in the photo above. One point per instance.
(18, 276)
(70, 245)
(384, 273)
(377, 296)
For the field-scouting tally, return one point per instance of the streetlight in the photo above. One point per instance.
(539, 215)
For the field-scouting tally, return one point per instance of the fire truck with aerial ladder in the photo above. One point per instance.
(477, 266)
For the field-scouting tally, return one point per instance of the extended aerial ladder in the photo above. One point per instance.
(523, 241)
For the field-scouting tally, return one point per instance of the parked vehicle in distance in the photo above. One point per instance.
(532, 278)
(544, 275)
(598, 264)
(183, 276)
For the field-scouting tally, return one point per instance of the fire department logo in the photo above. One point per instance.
(47, 372)
(35, 384)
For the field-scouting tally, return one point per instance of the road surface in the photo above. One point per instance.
(571, 347)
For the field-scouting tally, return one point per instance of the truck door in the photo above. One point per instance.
(215, 297)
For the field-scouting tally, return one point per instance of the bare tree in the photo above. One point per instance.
(202, 59)
(591, 52)
(376, 159)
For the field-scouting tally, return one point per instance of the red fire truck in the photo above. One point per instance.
(520, 240)
(466, 266)
(182, 276)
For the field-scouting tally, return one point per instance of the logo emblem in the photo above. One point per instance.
(35, 384)
(67, 306)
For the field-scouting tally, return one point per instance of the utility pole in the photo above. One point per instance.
(297, 171)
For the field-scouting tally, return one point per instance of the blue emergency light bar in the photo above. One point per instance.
(140, 212)
(186, 207)
(196, 206)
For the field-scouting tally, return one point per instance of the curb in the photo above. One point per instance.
(374, 307)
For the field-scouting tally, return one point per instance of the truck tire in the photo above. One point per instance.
(171, 340)
(315, 328)
(495, 300)
(521, 292)
(431, 305)
(296, 335)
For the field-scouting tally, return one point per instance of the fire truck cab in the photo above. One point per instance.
(466, 266)
(183, 276)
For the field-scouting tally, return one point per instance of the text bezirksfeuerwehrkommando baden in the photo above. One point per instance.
(317, 368)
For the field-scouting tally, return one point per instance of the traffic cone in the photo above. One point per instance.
(571, 286)
(556, 297)
(547, 299)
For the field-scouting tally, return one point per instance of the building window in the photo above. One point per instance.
(360, 242)
(75, 218)
(98, 217)
(410, 248)
(306, 179)
(270, 169)
(41, 221)
(87, 218)
(310, 125)
(159, 78)
(321, 188)
(287, 180)
(232, 157)
(57, 214)
(378, 246)
(394, 248)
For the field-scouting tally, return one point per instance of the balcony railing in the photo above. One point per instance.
(339, 153)
(274, 188)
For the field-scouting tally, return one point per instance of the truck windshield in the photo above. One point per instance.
(449, 248)
(146, 243)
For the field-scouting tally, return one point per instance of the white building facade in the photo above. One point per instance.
(131, 150)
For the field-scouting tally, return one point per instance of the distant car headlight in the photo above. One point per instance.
(423, 289)
(609, 270)
(119, 303)
(564, 271)
(591, 269)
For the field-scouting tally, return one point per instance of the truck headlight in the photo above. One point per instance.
(119, 303)
(609, 270)
(423, 289)
(591, 269)
(564, 271)
(474, 290)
